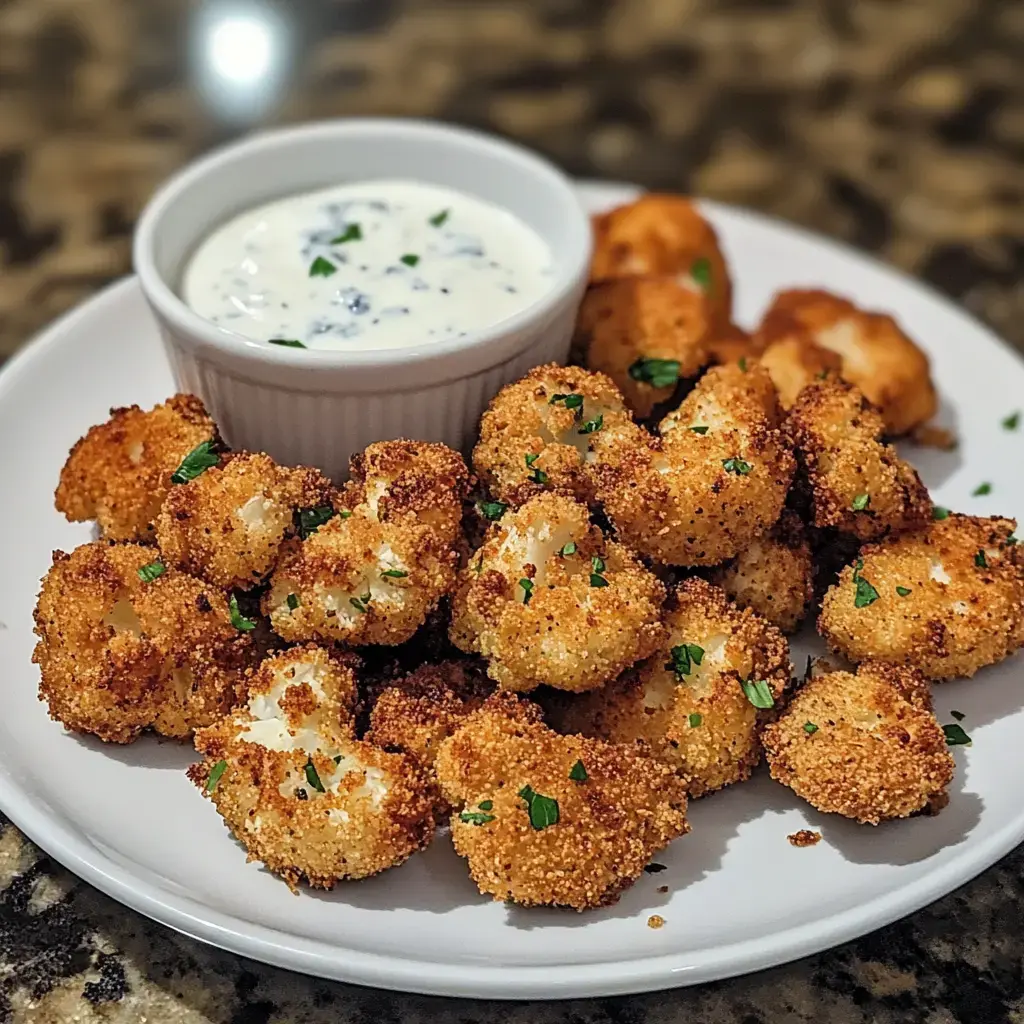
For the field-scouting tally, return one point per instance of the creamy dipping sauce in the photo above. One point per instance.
(371, 265)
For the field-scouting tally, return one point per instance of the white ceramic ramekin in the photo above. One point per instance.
(318, 408)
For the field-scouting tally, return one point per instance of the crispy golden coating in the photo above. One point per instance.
(118, 654)
(120, 472)
(551, 820)
(298, 790)
(715, 479)
(548, 600)
(729, 343)
(876, 355)
(688, 704)
(773, 574)
(228, 524)
(663, 234)
(643, 329)
(537, 433)
(857, 483)
(794, 361)
(865, 746)
(375, 572)
(950, 599)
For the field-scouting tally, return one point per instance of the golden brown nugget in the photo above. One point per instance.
(947, 599)
(877, 356)
(857, 483)
(121, 471)
(375, 571)
(663, 234)
(773, 574)
(865, 746)
(549, 820)
(538, 432)
(126, 644)
(646, 333)
(794, 362)
(698, 703)
(228, 524)
(716, 478)
(295, 787)
(548, 600)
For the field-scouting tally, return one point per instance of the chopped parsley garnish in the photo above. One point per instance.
(659, 373)
(737, 466)
(439, 218)
(865, 593)
(701, 273)
(573, 401)
(543, 809)
(955, 735)
(311, 519)
(861, 502)
(1012, 422)
(684, 657)
(527, 586)
(903, 591)
(743, 364)
(150, 572)
(699, 430)
(981, 490)
(958, 715)
(395, 574)
(410, 259)
(352, 233)
(538, 476)
(238, 620)
(337, 758)
(939, 513)
(592, 426)
(292, 601)
(758, 692)
(485, 805)
(313, 778)
(475, 818)
(578, 772)
(492, 510)
(322, 268)
(199, 460)
(695, 718)
(810, 728)
(569, 548)
(286, 342)
(654, 868)
(214, 777)
(361, 604)
(596, 570)
(980, 561)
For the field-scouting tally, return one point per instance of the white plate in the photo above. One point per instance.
(741, 897)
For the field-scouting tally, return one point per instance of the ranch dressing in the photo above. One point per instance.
(371, 265)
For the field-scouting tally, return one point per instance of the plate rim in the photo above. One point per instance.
(277, 947)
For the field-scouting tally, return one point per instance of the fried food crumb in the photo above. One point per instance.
(656, 921)
(930, 436)
(662, 888)
(805, 837)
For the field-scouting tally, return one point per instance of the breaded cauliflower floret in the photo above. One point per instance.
(715, 479)
(298, 790)
(548, 600)
(698, 702)
(374, 572)
(538, 432)
(865, 746)
(948, 599)
(876, 355)
(227, 525)
(773, 574)
(126, 645)
(663, 234)
(646, 333)
(794, 362)
(120, 472)
(549, 820)
(857, 483)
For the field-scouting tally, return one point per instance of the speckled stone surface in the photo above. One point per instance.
(897, 125)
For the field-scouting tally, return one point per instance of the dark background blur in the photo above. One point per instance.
(895, 124)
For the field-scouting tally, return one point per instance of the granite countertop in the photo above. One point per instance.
(898, 126)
